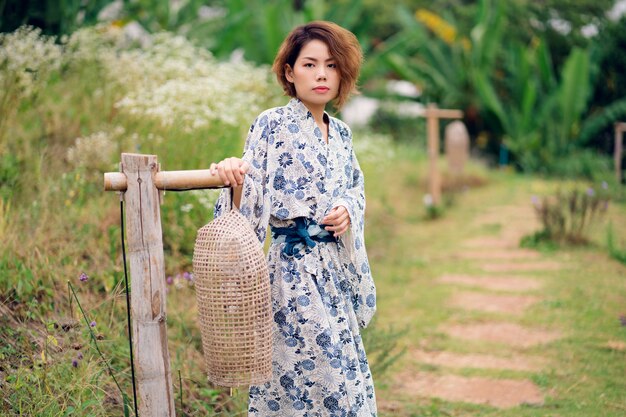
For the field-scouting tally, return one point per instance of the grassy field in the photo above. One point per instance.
(584, 300)
(408, 252)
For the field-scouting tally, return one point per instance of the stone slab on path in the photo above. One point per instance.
(482, 361)
(521, 266)
(507, 333)
(501, 393)
(518, 221)
(492, 303)
(487, 254)
(489, 243)
(496, 283)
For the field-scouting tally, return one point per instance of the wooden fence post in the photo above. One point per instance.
(147, 271)
(433, 114)
(141, 181)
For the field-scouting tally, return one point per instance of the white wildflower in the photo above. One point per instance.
(211, 13)
(375, 148)
(94, 151)
(27, 58)
(206, 198)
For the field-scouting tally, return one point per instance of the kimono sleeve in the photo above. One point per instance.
(254, 203)
(354, 257)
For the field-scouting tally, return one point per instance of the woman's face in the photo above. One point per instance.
(314, 75)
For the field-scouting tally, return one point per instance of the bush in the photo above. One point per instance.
(567, 216)
(382, 347)
(583, 164)
(403, 128)
(69, 108)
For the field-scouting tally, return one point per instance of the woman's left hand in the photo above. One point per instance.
(337, 221)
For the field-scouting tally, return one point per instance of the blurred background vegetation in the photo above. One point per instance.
(540, 84)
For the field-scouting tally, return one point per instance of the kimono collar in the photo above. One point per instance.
(298, 107)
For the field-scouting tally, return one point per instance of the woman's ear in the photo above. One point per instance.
(289, 73)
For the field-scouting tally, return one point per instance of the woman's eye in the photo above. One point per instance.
(332, 65)
(308, 65)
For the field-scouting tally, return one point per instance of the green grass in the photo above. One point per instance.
(408, 252)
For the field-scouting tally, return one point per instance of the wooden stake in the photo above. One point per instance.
(433, 114)
(145, 249)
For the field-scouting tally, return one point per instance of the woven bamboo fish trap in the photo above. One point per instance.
(234, 302)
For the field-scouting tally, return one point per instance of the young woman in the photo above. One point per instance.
(299, 176)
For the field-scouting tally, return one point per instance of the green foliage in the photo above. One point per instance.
(156, 15)
(21, 286)
(65, 129)
(539, 116)
(434, 211)
(602, 119)
(382, 347)
(9, 174)
(582, 164)
(445, 68)
(55, 17)
(508, 86)
(608, 103)
(257, 27)
(401, 128)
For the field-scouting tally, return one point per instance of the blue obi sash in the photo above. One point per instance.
(301, 236)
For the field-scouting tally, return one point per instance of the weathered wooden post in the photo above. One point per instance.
(620, 128)
(433, 114)
(140, 180)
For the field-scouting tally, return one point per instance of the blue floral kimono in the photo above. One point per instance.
(321, 295)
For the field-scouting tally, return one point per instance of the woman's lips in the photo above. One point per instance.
(321, 89)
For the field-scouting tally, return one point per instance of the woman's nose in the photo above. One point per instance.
(321, 75)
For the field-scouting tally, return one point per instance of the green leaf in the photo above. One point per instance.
(398, 63)
(574, 91)
(491, 99)
(544, 64)
(126, 405)
(602, 119)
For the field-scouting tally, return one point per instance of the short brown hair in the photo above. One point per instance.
(342, 45)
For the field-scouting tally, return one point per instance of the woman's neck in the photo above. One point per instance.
(318, 116)
(317, 112)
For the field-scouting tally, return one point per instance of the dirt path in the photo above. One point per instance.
(507, 287)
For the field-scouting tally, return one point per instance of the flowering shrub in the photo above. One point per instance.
(165, 96)
(95, 151)
(175, 83)
(372, 147)
(567, 215)
(27, 58)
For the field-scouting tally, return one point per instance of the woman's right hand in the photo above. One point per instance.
(231, 171)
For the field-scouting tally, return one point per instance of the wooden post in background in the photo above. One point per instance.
(433, 114)
(620, 128)
(147, 271)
